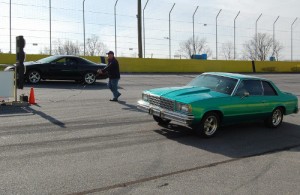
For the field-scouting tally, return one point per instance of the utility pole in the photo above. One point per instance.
(139, 21)
(50, 28)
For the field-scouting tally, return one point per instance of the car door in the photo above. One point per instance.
(270, 96)
(57, 68)
(254, 100)
(64, 68)
(70, 70)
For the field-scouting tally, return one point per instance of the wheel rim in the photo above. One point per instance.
(276, 117)
(210, 125)
(34, 77)
(89, 78)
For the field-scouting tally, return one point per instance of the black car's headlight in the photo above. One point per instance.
(183, 107)
(145, 97)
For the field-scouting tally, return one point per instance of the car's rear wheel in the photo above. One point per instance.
(89, 78)
(275, 119)
(34, 76)
(208, 126)
(161, 120)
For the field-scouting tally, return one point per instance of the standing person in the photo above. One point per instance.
(112, 69)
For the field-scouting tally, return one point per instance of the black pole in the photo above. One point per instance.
(140, 45)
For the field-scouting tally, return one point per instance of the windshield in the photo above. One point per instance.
(215, 83)
(47, 59)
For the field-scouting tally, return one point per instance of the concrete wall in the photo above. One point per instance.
(132, 65)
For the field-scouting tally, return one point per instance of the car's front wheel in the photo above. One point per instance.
(208, 126)
(89, 78)
(161, 120)
(275, 119)
(34, 76)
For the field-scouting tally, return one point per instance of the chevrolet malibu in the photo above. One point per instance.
(214, 99)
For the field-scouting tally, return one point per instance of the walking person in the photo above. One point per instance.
(113, 71)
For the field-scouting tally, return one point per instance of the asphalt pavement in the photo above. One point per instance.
(75, 141)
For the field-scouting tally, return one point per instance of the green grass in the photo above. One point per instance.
(2, 68)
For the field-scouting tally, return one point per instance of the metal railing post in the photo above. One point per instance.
(217, 34)
(256, 46)
(292, 38)
(115, 27)
(170, 30)
(144, 28)
(194, 29)
(234, 53)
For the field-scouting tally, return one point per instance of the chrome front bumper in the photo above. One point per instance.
(165, 114)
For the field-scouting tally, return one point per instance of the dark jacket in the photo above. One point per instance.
(112, 69)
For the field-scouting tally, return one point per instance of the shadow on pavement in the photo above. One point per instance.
(239, 141)
(8, 111)
(68, 85)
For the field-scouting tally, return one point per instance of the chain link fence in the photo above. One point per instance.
(47, 23)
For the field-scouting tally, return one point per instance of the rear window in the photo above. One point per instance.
(268, 89)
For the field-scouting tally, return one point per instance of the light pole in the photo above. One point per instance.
(217, 34)
(144, 28)
(292, 39)
(234, 53)
(50, 27)
(274, 36)
(256, 37)
(115, 27)
(10, 26)
(194, 29)
(170, 30)
(83, 19)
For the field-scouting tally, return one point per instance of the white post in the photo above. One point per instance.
(217, 34)
(144, 28)
(234, 53)
(194, 30)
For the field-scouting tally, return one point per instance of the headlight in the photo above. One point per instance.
(145, 97)
(183, 107)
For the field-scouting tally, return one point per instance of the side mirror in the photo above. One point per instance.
(246, 94)
(102, 59)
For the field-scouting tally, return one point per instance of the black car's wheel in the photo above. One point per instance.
(161, 120)
(89, 78)
(275, 119)
(208, 126)
(34, 76)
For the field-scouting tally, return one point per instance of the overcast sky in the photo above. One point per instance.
(30, 18)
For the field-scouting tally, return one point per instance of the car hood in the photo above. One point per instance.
(186, 94)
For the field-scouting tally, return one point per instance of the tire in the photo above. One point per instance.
(89, 78)
(208, 126)
(34, 77)
(161, 120)
(275, 119)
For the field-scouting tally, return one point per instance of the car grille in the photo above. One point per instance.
(161, 102)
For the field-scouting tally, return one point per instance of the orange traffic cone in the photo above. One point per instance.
(31, 96)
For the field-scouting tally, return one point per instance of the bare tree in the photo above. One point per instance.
(277, 48)
(227, 49)
(264, 46)
(95, 47)
(187, 47)
(67, 48)
(45, 51)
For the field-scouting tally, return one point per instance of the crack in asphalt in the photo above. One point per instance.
(146, 179)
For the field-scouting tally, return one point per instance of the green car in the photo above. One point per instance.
(213, 99)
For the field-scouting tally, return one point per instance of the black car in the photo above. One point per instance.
(62, 67)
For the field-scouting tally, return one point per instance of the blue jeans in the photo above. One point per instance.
(113, 86)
